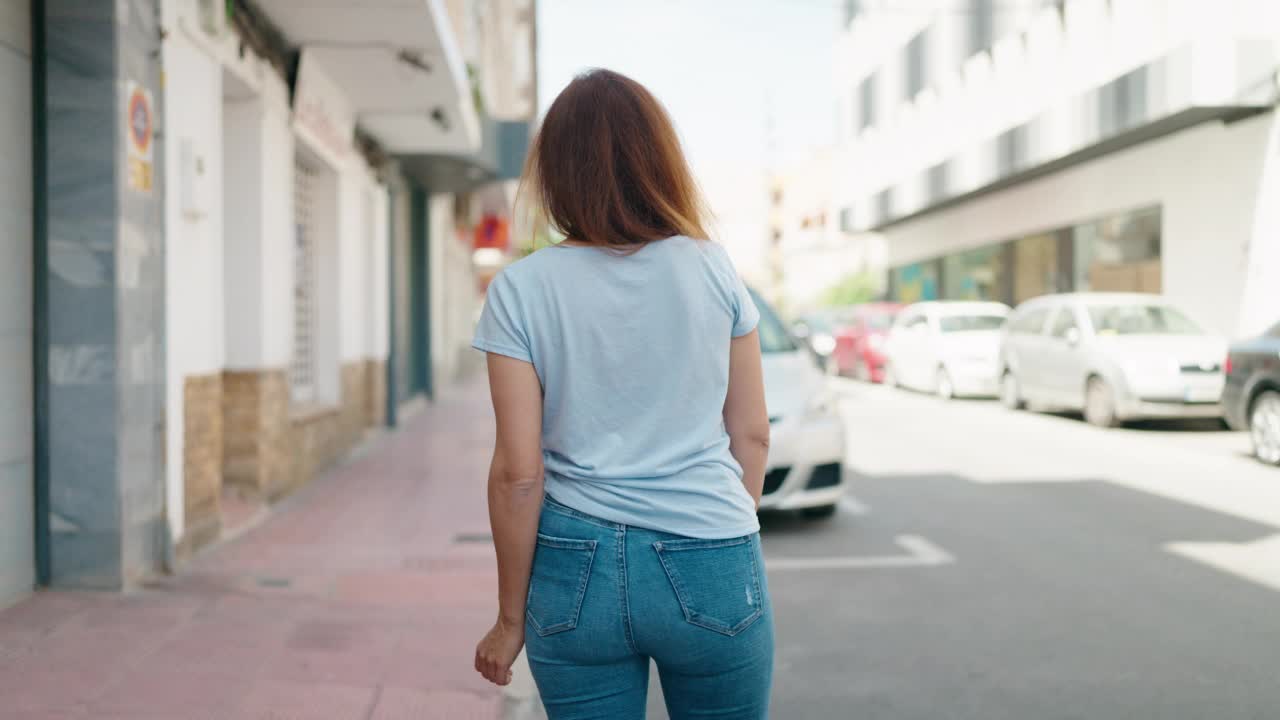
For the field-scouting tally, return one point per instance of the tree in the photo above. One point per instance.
(855, 288)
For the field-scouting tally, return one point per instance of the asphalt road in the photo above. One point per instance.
(996, 565)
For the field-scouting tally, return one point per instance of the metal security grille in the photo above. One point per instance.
(302, 376)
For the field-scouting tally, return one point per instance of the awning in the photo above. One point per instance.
(396, 62)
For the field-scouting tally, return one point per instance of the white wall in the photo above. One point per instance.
(353, 258)
(453, 291)
(377, 316)
(258, 233)
(193, 242)
(17, 513)
(1208, 181)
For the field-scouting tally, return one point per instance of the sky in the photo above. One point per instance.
(748, 84)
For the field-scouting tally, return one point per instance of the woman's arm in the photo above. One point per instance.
(515, 501)
(745, 415)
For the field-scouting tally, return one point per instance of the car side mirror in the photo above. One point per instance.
(1072, 337)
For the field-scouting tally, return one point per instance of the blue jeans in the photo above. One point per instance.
(604, 598)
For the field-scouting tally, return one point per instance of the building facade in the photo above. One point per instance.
(1006, 150)
(243, 242)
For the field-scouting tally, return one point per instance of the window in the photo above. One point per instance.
(1064, 322)
(302, 372)
(846, 220)
(884, 205)
(1274, 332)
(866, 104)
(975, 275)
(981, 26)
(1120, 253)
(938, 178)
(916, 62)
(851, 10)
(916, 282)
(971, 323)
(1030, 323)
(1122, 103)
(1011, 150)
(1140, 320)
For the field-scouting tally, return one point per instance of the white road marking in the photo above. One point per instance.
(1258, 561)
(853, 505)
(919, 553)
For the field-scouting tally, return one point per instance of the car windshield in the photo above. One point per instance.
(1140, 320)
(970, 323)
(773, 334)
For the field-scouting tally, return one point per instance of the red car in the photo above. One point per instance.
(860, 342)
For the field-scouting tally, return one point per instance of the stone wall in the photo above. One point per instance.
(202, 458)
(320, 437)
(375, 392)
(257, 455)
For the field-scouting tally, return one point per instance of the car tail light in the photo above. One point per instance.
(1226, 366)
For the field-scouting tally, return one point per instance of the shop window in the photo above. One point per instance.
(975, 275)
(917, 282)
(1120, 253)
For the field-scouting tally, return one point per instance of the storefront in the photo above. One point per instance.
(17, 503)
(1117, 253)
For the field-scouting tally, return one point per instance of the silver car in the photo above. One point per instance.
(1114, 356)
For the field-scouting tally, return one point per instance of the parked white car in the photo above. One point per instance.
(1114, 356)
(806, 447)
(951, 348)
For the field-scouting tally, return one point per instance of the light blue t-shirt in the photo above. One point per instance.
(633, 355)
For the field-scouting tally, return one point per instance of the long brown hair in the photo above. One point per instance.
(606, 166)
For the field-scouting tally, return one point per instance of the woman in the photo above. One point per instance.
(632, 435)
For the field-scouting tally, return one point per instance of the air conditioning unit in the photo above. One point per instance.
(213, 16)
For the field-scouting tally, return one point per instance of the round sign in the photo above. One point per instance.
(140, 120)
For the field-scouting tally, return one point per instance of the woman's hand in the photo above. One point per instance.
(498, 649)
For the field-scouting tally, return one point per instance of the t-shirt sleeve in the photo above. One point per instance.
(745, 314)
(501, 328)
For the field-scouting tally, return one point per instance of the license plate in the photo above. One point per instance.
(1202, 394)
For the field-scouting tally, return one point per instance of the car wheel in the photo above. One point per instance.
(943, 385)
(1010, 393)
(1100, 404)
(1264, 426)
(820, 512)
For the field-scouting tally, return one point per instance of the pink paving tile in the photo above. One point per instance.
(460, 588)
(408, 704)
(162, 690)
(54, 690)
(307, 701)
(43, 611)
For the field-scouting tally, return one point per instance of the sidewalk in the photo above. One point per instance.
(360, 597)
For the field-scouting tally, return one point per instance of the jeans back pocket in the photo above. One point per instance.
(716, 581)
(558, 583)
